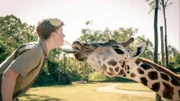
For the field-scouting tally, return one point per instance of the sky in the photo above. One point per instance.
(104, 13)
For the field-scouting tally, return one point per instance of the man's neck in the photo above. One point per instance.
(49, 44)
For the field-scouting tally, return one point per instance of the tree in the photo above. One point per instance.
(162, 6)
(162, 47)
(174, 64)
(156, 33)
(158, 98)
(13, 33)
(121, 34)
(172, 51)
(177, 59)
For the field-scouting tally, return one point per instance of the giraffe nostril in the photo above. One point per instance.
(76, 48)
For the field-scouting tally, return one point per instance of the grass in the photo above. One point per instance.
(77, 92)
(133, 87)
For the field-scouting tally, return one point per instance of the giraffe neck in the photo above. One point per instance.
(159, 79)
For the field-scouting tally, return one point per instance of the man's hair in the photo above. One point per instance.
(47, 26)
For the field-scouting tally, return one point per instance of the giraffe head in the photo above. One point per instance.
(106, 54)
(114, 59)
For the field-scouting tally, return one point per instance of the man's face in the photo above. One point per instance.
(59, 38)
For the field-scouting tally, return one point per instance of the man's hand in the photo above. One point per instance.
(8, 84)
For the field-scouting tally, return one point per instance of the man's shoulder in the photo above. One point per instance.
(34, 47)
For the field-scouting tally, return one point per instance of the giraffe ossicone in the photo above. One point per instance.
(113, 59)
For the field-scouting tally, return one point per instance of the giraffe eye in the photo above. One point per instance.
(119, 51)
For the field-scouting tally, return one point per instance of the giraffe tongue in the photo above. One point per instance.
(71, 51)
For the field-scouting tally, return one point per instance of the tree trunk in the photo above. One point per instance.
(165, 27)
(162, 47)
(65, 61)
(156, 33)
(158, 98)
(62, 74)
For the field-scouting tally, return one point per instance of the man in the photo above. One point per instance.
(21, 68)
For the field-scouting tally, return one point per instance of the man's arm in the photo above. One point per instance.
(8, 84)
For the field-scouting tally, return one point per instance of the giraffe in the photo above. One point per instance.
(113, 59)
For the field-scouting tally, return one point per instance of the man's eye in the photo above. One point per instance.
(119, 51)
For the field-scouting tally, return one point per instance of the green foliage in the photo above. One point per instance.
(50, 70)
(13, 33)
(175, 64)
(98, 77)
(76, 70)
(121, 34)
(177, 59)
(4, 51)
(161, 4)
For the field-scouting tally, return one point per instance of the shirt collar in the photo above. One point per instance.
(44, 46)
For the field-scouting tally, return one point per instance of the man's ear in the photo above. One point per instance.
(139, 49)
(53, 34)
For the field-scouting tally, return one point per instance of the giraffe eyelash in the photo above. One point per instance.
(115, 47)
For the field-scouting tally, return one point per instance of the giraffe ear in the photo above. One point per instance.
(139, 49)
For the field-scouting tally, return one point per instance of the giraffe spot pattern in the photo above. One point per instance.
(146, 66)
(127, 67)
(155, 87)
(104, 67)
(179, 93)
(175, 82)
(153, 75)
(165, 77)
(133, 75)
(117, 69)
(123, 64)
(104, 58)
(137, 62)
(124, 75)
(121, 72)
(143, 81)
(97, 57)
(112, 62)
(99, 62)
(140, 71)
(111, 70)
(168, 91)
